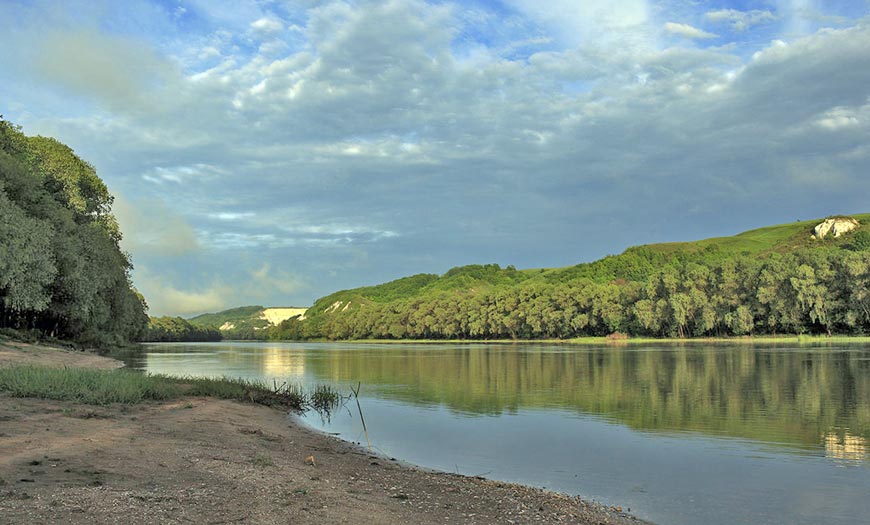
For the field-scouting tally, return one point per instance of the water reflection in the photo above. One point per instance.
(813, 399)
(769, 395)
(277, 362)
(845, 446)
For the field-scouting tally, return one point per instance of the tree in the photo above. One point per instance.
(61, 268)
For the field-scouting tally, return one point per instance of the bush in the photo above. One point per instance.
(860, 241)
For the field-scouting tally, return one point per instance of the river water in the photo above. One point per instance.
(677, 434)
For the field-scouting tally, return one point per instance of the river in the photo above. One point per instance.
(680, 434)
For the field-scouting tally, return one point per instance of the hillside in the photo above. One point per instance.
(776, 279)
(634, 264)
(240, 322)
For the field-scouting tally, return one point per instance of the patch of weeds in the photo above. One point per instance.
(262, 461)
(324, 399)
(127, 387)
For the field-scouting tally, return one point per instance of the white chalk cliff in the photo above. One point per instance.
(835, 226)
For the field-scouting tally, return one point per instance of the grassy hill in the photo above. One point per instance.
(634, 264)
(241, 315)
(772, 280)
(254, 317)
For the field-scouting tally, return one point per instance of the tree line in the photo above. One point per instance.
(62, 271)
(821, 290)
(176, 329)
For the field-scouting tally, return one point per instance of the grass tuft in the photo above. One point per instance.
(104, 387)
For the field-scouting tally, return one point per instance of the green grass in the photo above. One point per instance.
(233, 315)
(324, 399)
(95, 387)
(103, 387)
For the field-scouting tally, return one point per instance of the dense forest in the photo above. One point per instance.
(776, 280)
(176, 329)
(246, 322)
(62, 272)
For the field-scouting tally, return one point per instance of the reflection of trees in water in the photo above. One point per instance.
(791, 396)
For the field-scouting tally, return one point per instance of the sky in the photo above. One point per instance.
(272, 152)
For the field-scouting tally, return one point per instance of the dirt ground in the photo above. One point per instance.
(14, 353)
(202, 460)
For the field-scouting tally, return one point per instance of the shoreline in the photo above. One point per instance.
(791, 339)
(210, 460)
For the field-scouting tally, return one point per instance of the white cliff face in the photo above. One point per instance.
(836, 227)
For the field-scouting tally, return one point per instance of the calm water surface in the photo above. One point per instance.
(677, 434)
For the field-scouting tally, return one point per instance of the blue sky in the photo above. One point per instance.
(272, 152)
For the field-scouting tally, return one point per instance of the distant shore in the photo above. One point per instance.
(734, 340)
(208, 460)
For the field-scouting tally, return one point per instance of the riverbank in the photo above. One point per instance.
(812, 340)
(207, 460)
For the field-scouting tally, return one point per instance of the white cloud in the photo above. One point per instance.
(116, 71)
(180, 174)
(231, 216)
(588, 21)
(152, 228)
(687, 31)
(267, 279)
(267, 26)
(166, 299)
(844, 118)
(740, 20)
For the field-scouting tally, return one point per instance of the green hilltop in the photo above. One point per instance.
(635, 263)
(753, 282)
(243, 322)
(243, 315)
(772, 280)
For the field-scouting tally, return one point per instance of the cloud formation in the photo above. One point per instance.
(740, 20)
(687, 31)
(288, 151)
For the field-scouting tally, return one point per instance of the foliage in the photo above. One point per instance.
(860, 241)
(167, 329)
(246, 322)
(62, 271)
(237, 316)
(767, 281)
